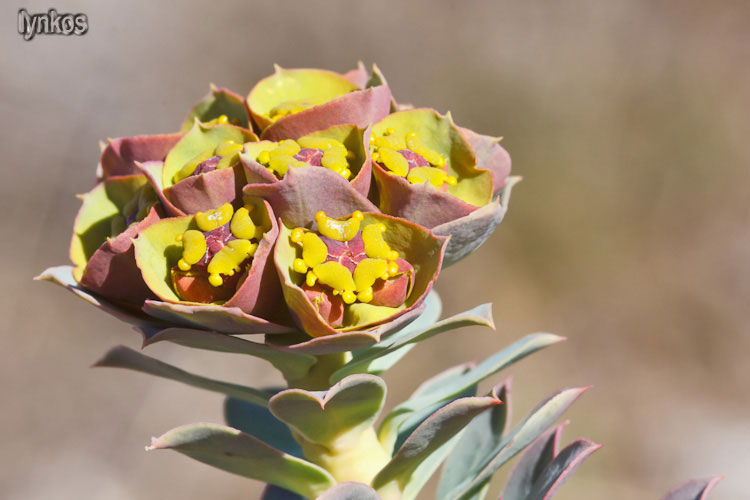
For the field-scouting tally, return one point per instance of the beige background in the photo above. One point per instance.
(629, 235)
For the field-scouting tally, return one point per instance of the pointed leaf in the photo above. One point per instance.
(480, 315)
(537, 457)
(233, 451)
(334, 418)
(257, 421)
(292, 364)
(521, 436)
(427, 439)
(63, 276)
(695, 489)
(561, 468)
(389, 428)
(480, 437)
(272, 492)
(124, 357)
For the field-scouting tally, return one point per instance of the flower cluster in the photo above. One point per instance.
(261, 215)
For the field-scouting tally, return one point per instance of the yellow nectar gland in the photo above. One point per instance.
(386, 151)
(227, 260)
(352, 287)
(375, 246)
(292, 107)
(212, 219)
(280, 159)
(242, 225)
(193, 249)
(339, 230)
(219, 120)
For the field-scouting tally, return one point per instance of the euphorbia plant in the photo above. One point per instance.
(316, 215)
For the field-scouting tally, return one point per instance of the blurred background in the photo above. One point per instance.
(629, 235)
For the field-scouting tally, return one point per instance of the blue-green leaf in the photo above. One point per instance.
(258, 421)
(293, 365)
(538, 421)
(695, 489)
(459, 382)
(350, 491)
(338, 415)
(426, 440)
(480, 437)
(233, 451)
(124, 357)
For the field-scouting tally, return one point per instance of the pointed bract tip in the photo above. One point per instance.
(277, 69)
(212, 87)
(102, 146)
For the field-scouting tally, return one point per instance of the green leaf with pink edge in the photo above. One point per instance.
(348, 490)
(481, 436)
(523, 434)
(351, 136)
(93, 224)
(490, 156)
(416, 332)
(219, 101)
(63, 276)
(294, 365)
(469, 232)
(334, 418)
(124, 357)
(411, 412)
(543, 467)
(441, 135)
(120, 156)
(416, 245)
(199, 139)
(694, 489)
(311, 86)
(236, 452)
(426, 440)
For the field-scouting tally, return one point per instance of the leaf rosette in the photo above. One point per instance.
(356, 273)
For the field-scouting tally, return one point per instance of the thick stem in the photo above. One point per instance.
(360, 461)
(317, 379)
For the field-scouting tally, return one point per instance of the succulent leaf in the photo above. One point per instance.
(236, 452)
(124, 357)
(458, 382)
(63, 276)
(523, 434)
(334, 418)
(426, 440)
(292, 364)
(482, 435)
(259, 422)
(219, 101)
(694, 489)
(413, 334)
(543, 468)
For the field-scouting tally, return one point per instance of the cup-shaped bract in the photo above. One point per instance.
(111, 214)
(355, 273)
(202, 171)
(295, 102)
(427, 172)
(213, 269)
(339, 150)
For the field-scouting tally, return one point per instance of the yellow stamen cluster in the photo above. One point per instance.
(228, 150)
(228, 260)
(281, 158)
(357, 286)
(291, 107)
(386, 152)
